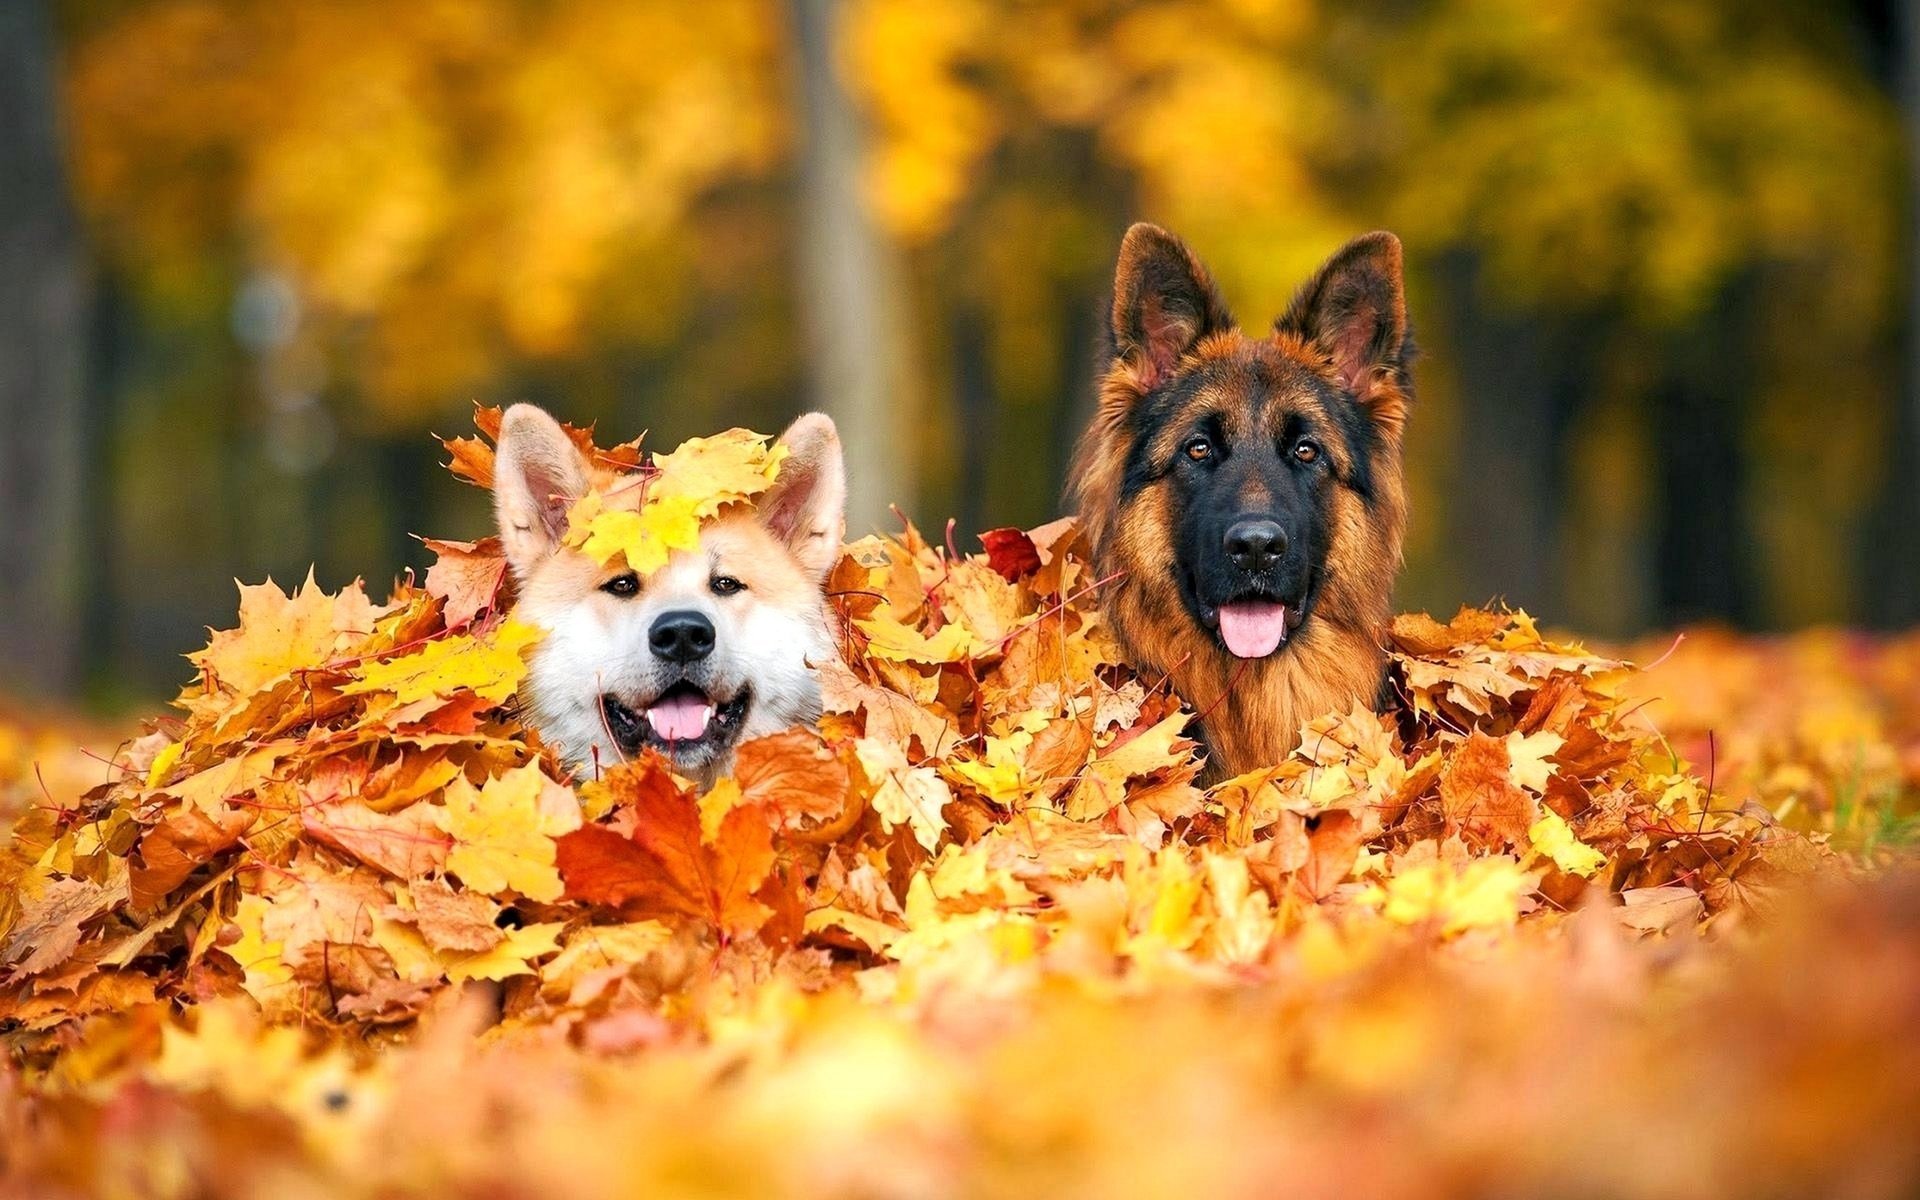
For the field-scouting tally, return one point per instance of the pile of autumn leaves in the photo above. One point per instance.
(346, 841)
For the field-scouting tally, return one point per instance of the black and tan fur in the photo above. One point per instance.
(1200, 425)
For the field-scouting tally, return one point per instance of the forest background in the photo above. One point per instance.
(253, 253)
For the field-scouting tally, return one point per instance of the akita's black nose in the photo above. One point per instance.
(1255, 545)
(681, 636)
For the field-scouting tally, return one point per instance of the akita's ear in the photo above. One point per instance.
(1355, 308)
(537, 474)
(807, 505)
(1163, 302)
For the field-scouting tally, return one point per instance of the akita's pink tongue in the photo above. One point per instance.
(681, 717)
(1253, 629)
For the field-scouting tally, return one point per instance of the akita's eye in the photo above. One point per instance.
(622, 585)
(726, 585)
(1306, 450)
(1198, 449)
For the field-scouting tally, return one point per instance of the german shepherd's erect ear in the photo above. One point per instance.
(1164, 302)
(1355, 309)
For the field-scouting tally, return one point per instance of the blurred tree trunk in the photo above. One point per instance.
(847, 287)
(1892, 548)
(1505, 504)
(1704, 551)
(111, 326)
(42, 351)
(976, 407)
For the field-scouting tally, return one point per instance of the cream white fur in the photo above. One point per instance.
(584, 655)
(769, 637)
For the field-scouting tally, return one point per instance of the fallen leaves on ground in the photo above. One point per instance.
(991, 929)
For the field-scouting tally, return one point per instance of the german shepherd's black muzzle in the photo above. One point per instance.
(1248, 573)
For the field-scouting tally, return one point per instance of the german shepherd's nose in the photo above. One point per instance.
(681, 636)
(1255, 545)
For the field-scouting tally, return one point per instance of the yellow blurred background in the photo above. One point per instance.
(252, 252)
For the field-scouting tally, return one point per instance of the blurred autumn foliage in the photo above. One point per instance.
(1657, 267)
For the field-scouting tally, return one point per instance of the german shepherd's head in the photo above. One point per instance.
(1247, 490)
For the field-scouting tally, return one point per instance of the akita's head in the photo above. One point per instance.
(719, 645)
(1248, 483)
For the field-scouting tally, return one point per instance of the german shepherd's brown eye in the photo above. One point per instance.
(1199, 449)
(622, 586)
(1306, 451)
(726, 585)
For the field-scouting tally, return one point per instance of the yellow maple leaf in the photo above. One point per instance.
(595, 948)
(1553, 837)
(163, 763)
(230, 1052)
(268, 979)
(507, 957)
(503, 832)
(1164, 894)
(1103, 784)
(413, 960)
(892, 641)
(1528, 753)
(1156, 747)
(280, 634)
(721, 799)
(875, 933)
(997, 773)
(1244, 921)
(1485, 894)
(211, 789)
(645, 538)
(904, 794)
(490, 666)
(966, 871)
(710, 473)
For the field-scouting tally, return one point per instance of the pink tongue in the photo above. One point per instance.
(679, 718)
(1253, 629)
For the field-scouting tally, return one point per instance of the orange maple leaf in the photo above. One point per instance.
(1479, 795)
(466, 576)
(665, 865)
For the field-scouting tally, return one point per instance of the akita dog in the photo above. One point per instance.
(718, 646)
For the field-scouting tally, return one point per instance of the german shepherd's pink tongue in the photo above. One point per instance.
(680, 717)
(1253, 628)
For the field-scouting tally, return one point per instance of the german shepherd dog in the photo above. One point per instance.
(720, 645)
(1247, 492)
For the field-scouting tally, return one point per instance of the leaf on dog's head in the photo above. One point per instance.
(472, 457)
(714, 472)
(690, 485)
(644, 540)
